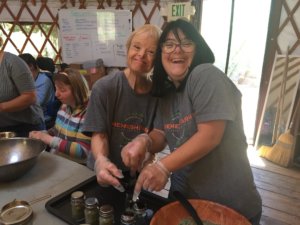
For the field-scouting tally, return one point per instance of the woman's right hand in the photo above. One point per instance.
(134, 153)
(107, 173)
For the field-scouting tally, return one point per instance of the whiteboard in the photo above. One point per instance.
(90, 34)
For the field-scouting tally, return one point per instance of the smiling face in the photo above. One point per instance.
(64, 93)
(141, 53)
(176, 63)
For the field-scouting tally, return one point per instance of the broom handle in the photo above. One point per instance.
(294, 127)
(295, 121)
(284, 80)
(280, 100)
(275, 129)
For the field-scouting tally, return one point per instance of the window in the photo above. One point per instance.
(246, 48)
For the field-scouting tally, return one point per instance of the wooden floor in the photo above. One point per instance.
(280, 191)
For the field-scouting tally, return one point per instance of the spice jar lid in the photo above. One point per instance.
(127, 216)
(77, 195)
(91, 202)
(139, 206)
(106, 210)
(16, 212)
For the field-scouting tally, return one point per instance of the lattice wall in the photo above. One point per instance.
(29, 15)
(289, 29)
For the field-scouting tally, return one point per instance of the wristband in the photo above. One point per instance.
(163, 168)
(55, 142)
(148, 139)
(100, 158)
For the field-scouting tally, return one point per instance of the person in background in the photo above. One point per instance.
(19, 110)
(199, 116)
(66, 137)
(120, 107)
(64, 66)
(46, 64)
(43, 84)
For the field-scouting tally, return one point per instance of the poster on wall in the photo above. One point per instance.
(91, 34)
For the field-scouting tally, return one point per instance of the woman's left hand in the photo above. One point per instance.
(43, 136)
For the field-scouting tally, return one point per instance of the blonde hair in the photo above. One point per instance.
(152, 30)
(79, 86)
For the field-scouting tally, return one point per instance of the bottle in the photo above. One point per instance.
(139, 209)
(77, 205)
(127, 218)
(91, 211)
(106, 215)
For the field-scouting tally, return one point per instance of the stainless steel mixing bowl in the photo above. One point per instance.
(7, 134)
(17, 156)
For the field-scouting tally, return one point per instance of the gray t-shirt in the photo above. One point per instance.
(114, 108)
(16, 78)
(224, 175)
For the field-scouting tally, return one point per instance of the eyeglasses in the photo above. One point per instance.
(170, 46)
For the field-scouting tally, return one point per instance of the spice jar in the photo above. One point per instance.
(106, 215)
(91, 213)
(77, 205)
(127, 218)
(139, 209)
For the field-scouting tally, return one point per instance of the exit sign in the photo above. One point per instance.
(179, 10)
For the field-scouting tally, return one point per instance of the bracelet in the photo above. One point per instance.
(149, 141)
(163, 168)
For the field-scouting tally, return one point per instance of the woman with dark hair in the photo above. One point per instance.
(199, 116)
(202, 54)
(66, 137)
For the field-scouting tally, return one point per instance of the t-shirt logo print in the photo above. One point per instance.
(178, 127)
(131, 126)
(177, 132)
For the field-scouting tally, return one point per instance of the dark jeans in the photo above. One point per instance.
(23, 130)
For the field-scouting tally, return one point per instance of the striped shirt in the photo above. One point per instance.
(69, 141)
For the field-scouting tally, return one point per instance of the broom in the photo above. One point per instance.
(282, 151)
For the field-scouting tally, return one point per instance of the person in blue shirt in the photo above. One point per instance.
(47, 66)
(43, 84)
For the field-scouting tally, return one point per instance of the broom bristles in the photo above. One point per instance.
(264, 151)
(281, 152)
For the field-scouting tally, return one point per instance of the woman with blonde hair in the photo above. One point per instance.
(66, 137)
(121, 108)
